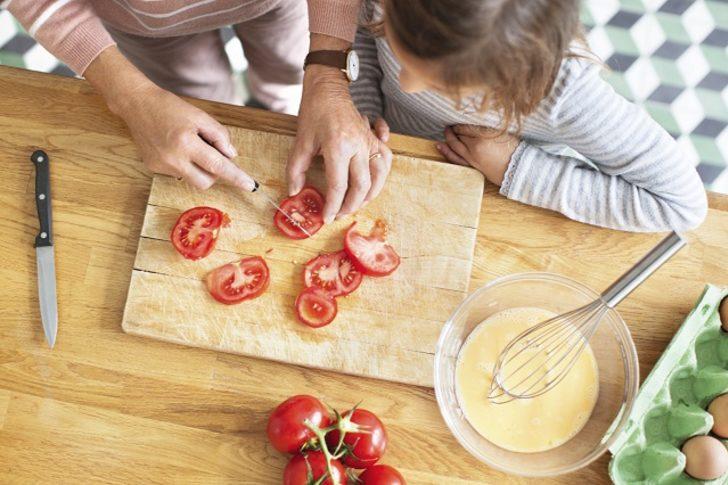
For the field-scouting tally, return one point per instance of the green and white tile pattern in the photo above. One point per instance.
(670, 56)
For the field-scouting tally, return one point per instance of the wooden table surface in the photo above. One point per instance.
(108, 407)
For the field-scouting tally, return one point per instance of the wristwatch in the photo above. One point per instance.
(346, 61)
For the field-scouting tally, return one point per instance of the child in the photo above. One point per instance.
(505, 87)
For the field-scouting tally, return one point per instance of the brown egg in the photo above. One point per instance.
(719, 410)
(706, 458)
(723, 311)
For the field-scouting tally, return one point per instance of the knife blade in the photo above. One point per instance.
(278, 208)
(45, 257)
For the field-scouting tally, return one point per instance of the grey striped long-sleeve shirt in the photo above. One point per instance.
(586, 151)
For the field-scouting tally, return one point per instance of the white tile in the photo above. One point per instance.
(647, 34)
(600, 43)
(687, 110)
(39, 59)
(7, 27)
(688, 150)
(234, 51)
(722, 142)
(642, 78)
(693, 66)
(698, 21)
(603, 10)
(653, 5)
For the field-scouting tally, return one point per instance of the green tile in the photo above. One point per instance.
(712, 103)
(662, 114)
(586, 17)
(672, 25)
(707, 149)
(719, 9)
(635, 6)
(667, 71)
(621, 40)
(618, 82)
(716, 57)
(11, 59)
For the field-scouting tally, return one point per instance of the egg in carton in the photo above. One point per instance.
(670, 437)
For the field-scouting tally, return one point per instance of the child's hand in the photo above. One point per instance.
(481, 148)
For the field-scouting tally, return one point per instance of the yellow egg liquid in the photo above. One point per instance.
(522, 425)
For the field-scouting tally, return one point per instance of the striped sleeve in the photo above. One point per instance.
(366, 91)
(68, 29)
(642, 181)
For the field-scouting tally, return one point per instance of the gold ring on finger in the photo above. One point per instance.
(374, 156)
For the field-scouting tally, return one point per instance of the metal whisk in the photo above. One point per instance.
(539, 358)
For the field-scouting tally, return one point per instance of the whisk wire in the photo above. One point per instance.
(568, 333)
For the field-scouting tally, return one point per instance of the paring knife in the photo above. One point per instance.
(44, 248)
(278, 208)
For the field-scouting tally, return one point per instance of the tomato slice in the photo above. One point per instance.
(332, 272)
(371, 254)
(195, 232)
(305, 208)
(235, 282)
(315, 307)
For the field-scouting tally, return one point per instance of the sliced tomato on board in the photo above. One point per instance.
(371, 254)
(236, 282)
(315, 307)
(333, 273)
(305, 208)
(195, 232)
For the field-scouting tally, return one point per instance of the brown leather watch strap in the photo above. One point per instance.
(335, 59)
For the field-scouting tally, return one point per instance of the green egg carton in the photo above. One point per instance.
(670, 406)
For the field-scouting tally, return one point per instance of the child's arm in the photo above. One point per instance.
(643, 181)
(366, 91)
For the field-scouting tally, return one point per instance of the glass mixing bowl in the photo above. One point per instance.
(612, 347)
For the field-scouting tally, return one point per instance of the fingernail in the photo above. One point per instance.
(232, 150)
(256, 186)
(439, 147)
(328, 219)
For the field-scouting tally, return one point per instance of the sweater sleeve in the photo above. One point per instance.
(366, 91)
(70, 30)
(336, 18)
(642, 181)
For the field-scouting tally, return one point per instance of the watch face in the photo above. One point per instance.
(352, 65)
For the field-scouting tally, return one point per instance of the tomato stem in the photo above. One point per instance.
(321, 435)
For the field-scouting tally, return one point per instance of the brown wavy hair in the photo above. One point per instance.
(512, 48)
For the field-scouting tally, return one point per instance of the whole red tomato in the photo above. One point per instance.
(308, 467)
(286, 429)
(381, 475)
(365, 448)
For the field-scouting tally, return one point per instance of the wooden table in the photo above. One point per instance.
(105, 406)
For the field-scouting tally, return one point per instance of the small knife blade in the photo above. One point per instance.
(278, 208)
(45, 257)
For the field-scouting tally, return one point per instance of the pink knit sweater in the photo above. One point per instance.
(73, 30)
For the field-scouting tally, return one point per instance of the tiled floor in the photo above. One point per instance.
(670, 56)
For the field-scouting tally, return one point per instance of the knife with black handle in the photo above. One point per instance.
(44, 247)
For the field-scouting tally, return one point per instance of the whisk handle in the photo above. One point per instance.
(643, 269)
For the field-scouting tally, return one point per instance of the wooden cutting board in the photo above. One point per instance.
(386, 329)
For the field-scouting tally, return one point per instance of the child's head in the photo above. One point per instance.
(509, 49)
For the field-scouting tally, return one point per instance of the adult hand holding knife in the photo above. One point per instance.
(44, 248)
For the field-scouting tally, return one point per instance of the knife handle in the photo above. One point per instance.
(43, 197)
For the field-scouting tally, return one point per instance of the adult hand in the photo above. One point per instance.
(178, 139)
(174, 137)
(330, 125)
